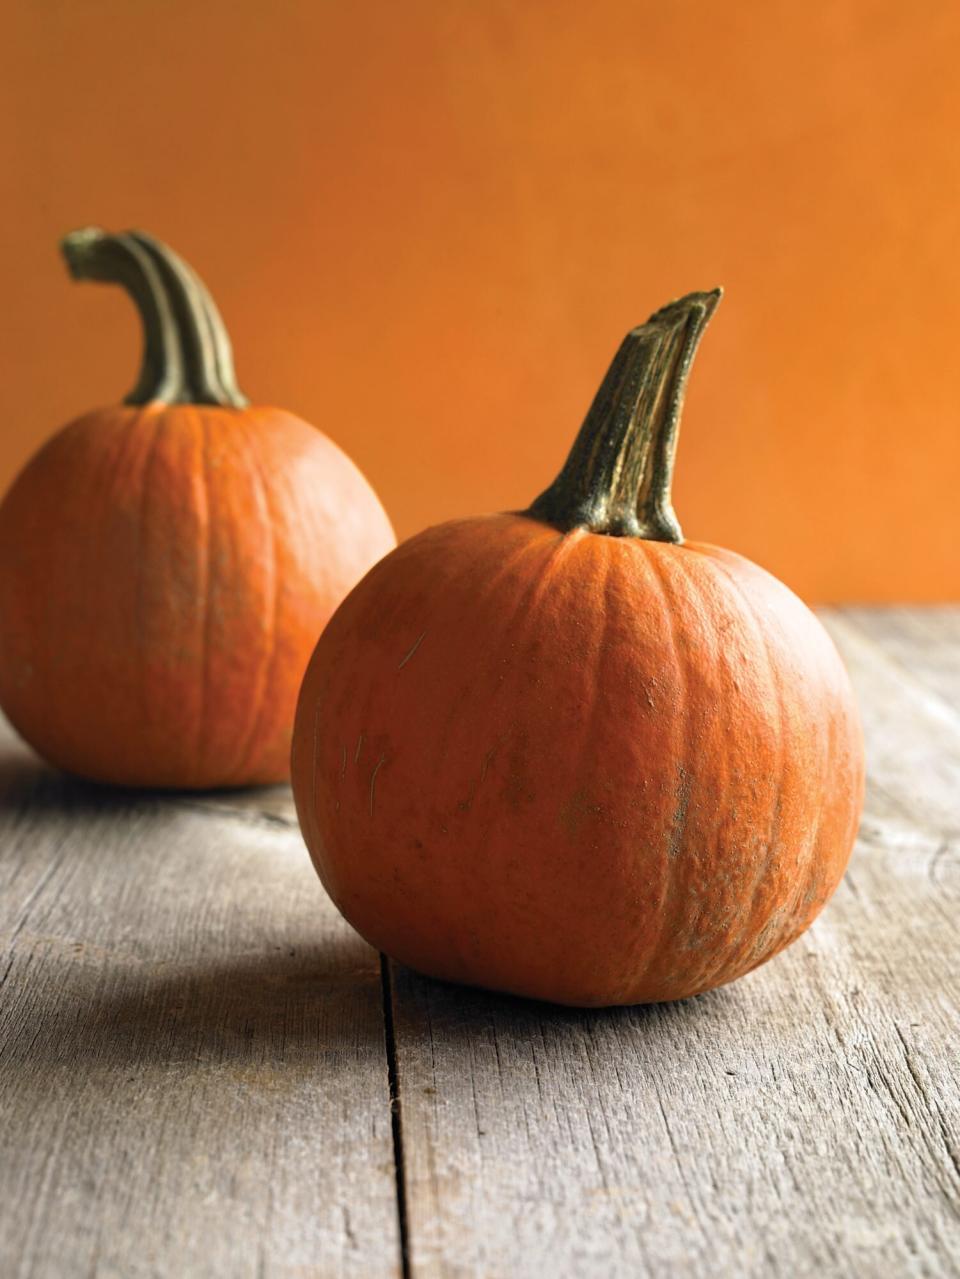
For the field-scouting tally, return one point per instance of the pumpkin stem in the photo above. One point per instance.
(187, 358)
(617, 478)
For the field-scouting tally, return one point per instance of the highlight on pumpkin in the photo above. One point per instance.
(166, 564)
(564, 753)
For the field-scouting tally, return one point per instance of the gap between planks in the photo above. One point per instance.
(802, 1121)
(396, 1114)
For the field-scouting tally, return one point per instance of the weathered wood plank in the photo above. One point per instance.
(803, 1121)
(924, 642)
(912, 731)
(181, 1094)
(193, 1076)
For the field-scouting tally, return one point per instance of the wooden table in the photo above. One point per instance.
(204, 1071)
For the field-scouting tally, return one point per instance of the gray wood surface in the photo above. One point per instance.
(803, 1121)
(193, 1075)
(196, 1063)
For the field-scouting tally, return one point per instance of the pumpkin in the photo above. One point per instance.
(167, 563)
(565, 754)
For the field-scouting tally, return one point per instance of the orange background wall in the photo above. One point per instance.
(428, 225)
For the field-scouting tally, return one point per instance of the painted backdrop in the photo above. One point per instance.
(429, 224)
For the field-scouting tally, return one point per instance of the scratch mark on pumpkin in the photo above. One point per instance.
(412, 651)
(356, 754)
(343, 762)
(373, 781)
(680, 812)
(464, 804)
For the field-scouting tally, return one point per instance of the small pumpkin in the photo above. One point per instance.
(564, 753)
(166, 564)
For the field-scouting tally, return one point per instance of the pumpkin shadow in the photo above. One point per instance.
(290, 1002)
(27, 782)
(288, 1008)
(31, 791)
(426, 1006)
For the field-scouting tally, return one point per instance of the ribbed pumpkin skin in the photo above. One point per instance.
(164, 571)
(583, 768)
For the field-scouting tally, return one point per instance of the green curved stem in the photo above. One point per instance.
(187, 357)
(618, 476)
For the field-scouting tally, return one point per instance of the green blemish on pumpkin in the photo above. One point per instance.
(576, 811)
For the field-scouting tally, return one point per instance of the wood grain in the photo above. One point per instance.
(803, 1121)
(193, 1076)
(924, 642)
(912, 729)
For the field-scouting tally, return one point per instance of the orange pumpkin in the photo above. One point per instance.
(166, 564)
(565, 754)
